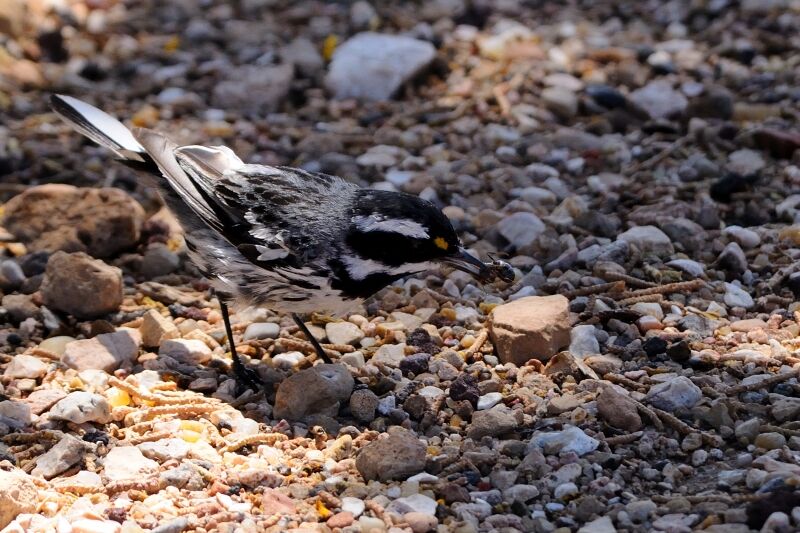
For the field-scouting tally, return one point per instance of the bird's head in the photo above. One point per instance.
(395, 234)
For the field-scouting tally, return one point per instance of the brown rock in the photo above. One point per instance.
(43, 399)
(18, 494)
(81, 286)
(156, 328)
(536, 327)
(342, 519)
(318, 389)
(274, 502)
(105, 352)
(618, 410)
(53, 217)
(750, 324)
(397, 456)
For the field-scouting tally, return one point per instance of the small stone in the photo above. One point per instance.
(107, 351)
(732, 259)
(415, 364)
(599, 525)
(253, 89)
(159, 260)
(397, 456)
(156, 328)
(343, 333)
(302, 53)
(603, 364)
(640, 511)
(67, 452)
(318, 389)
(735, 296)
(659, 99)
(770, 441)
(489, 400)
(420, 522)
(618, 410)
(288, 360)
(189, 351)
(745, 162)
(495, 421)
(80, 407)
(560, 101)
(750, 324)
(465, 387)
(373, 66)
(57, 344)
(81, 286)
(261, 330)
(11, 275)
(43, 399)
(19, 307)
(17, 413)
(390, 355)
(127, 462)
(571, 439)
(274, 502)
(18, 494)
(354, 506)
(418, 503)
(535, 327)
(165, 449)
(26, 366)
(677, 393)
(363, 404)
(521, 229)
(648, 239)
(566, 491)
(583, 341)
(342, 519)
(746, 238)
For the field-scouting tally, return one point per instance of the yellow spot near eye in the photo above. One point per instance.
(441, 243)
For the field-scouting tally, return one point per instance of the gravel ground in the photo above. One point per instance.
(636, 162)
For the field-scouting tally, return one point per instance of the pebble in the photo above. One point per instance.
(26, 366)
(66, 452)
(107, 351)
(81, 286)
(583, 341)
(618, 410)
(677, 393)
(420, 522)
(648, 239)
(659, 99)
(354, 506)
(343, 333)
(487, 401)
(571, 439)
(318, 389)
(416, 503)
(373, 66)
(735, 296)
(159, 260)
(79, 407)
(188, 351)
(156, 328)
(599, 525)
(770, 441)
(261, 330)
(253, 89)
(495, 421)
(363, 404)
(535, 327)
(165, 449)
(397, 456)
(521, 229)
(128, 462)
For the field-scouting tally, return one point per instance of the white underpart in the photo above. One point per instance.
(359, 268)
(270, 254)
(402, 226)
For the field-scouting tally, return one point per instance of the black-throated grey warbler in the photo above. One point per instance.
(280, 237)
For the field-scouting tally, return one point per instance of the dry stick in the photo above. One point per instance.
(772, 380)
(600, 288)
(623, 439)
(681, 286)
(629, 280)
(478, 344)
(261, 438)
(650, 414)
(647, 298)
(305, 346)
(625, 382)
(788, 432)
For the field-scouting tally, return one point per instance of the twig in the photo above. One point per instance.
(646, 298)
(680, 286)
(629, 280)
(600, 288)
(623, 439)
(764, 383)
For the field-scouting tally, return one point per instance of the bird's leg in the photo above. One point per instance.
(243, 375)
(312, 339)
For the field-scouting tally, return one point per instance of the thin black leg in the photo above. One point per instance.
(311, 338)
(243, 375)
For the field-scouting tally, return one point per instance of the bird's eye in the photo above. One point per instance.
(440, 242)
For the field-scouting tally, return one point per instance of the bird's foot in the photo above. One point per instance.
(246, 378)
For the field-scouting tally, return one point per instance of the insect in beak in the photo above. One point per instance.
(483, 272)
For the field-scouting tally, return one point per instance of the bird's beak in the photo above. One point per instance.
(466, 262)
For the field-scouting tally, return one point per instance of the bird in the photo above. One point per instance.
(279, 237)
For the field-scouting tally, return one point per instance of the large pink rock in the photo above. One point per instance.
(535, 327)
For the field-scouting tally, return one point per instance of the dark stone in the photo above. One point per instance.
(422, 340)
(654, 346)
(453, 492)
(415, 364)
(679, 351)
(728, 185)
(465, 387)
(415, 406)
(606, 96)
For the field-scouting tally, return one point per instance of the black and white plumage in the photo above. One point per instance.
(279, 237)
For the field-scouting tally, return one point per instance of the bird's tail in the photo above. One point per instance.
(100, 127)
